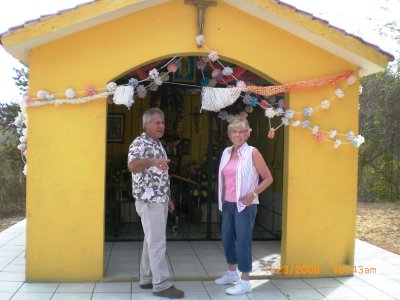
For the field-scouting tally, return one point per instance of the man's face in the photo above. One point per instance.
(155, 128)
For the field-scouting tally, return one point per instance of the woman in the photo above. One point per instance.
(238, 189)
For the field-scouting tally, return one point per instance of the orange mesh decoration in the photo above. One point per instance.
(298, 85)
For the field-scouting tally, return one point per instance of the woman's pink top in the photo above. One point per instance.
(229, 173)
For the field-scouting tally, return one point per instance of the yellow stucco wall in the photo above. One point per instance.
(65, 183)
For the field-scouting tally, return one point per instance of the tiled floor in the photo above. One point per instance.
(193, 268)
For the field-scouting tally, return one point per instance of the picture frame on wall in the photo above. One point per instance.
(186, 71)
(115, 128)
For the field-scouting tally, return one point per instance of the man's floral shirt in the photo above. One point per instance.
(149, 185)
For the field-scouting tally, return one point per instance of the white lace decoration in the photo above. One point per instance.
(214, 99)
(123, 95)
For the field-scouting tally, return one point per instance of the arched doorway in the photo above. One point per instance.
(194, 142)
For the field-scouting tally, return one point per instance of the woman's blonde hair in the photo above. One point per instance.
(238, 122)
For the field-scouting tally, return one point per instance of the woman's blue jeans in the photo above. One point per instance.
(237, 234)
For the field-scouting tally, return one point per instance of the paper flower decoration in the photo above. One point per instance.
(111, 86)
(315, 130)
(285, 121)
(247, 99)
(337, 143)
(270, 112)
(200, 40)
(271, 133)
(204, 81)
(332, 134)
(216, 73)
(351, 80)
(172, 67)
(305, 124)
(339, 93)
(90, 91)
(133, 82)
(289, 113)
(248, 109)
(213, 55)
(279, 112)
(25, 171)
(44, 95)
(325, 104)
(212, 82)
(308, 111)
(227, 71)
(70, 93)
(296, 123)
(319, 136)
(360, 89)
(158, 80)
(201, 65)
(141, 91)
(253, 101)
(357, 141)
(153, 73)
(350, 136)
(240, 84)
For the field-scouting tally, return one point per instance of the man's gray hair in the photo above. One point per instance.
(149, 113)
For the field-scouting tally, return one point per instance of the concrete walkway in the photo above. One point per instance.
(194, 268)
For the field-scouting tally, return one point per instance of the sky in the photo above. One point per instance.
(363, 18)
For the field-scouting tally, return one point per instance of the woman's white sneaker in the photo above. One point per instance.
(229, 278)
(242, 287)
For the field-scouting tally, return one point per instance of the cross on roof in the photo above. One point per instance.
(201, 7)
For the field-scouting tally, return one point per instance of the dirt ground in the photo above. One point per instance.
(377, 224)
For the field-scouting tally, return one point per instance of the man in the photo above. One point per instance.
(148, 162)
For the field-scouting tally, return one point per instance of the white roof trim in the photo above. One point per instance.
(366, 67)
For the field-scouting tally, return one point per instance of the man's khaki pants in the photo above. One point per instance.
(153, 265)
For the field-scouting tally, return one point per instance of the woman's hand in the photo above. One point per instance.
(248, 199)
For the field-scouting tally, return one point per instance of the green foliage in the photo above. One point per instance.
(12, 180)
(379, 157)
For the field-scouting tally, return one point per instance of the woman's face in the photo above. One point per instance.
(238, 136)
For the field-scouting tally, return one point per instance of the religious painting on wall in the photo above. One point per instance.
(187, 70)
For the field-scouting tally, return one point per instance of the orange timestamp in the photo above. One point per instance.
(358, 269)
(294, 269)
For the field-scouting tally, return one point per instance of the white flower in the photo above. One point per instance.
(70, 93)
(25, 171)
(25, 131)
(227, 71)
(360, 89)
(339, 93)
(158, 80)
(351, 79)
(315, 130)
(213, 55)
(279, 111)
(153, 74)
(240, 84)
(21, 147)
(357, 141)
(332, 134)
(296, 123)
(350, 136)
(200, 40)
(270, 112)
(337, 143)
(22, 139)
(325, 104)
(42, 94)
(285, 121)
(111, 86)
(289, 113)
